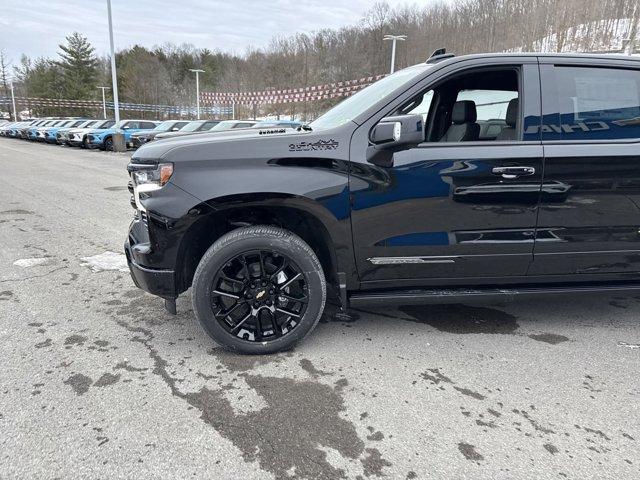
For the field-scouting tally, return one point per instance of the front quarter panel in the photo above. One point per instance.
(302, 170)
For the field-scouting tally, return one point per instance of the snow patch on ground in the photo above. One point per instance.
(106, 261)
(30, 262)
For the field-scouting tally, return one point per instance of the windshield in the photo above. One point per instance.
(227, 125)
(164, 126)
(358, 103)
(106, 124)
(191, 126)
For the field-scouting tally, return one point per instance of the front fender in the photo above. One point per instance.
(319, 187)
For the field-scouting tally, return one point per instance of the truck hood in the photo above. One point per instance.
(250, 143)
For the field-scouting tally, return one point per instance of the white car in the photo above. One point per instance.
(77, 137)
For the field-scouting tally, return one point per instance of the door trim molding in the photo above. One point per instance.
(410, 260)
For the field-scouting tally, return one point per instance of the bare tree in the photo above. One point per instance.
(5, 64)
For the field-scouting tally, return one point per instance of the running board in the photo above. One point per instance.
(458, 295)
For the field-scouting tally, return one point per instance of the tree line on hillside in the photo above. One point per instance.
(160, 75)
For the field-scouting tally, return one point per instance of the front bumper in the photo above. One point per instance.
(138, 141)
(160, 282)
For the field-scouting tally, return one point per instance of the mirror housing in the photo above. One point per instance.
(393, 134)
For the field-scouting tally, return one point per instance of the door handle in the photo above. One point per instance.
(513, 172)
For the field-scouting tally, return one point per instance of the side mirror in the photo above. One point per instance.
(393, 134)
(125, 127)
(175, 129)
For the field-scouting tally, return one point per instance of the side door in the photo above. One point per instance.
(589, 221)
(452, 212)
(130, 127)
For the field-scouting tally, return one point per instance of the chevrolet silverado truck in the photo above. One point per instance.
(473, 178)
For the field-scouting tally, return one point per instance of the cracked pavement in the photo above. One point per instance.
(98, 381)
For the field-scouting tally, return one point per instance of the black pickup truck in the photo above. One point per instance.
(481, 177)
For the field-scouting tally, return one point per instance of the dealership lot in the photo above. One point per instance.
(100, 381)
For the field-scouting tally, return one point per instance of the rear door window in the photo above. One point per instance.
(585, 103)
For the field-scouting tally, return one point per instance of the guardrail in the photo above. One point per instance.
(28, 103)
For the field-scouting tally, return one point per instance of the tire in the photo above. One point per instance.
(84, 142)
(274, 247)
(108, 144)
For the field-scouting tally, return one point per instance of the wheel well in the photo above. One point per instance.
(207, 230)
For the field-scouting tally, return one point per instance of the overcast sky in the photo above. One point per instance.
(36, 27)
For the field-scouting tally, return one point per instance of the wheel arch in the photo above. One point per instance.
(328, 236)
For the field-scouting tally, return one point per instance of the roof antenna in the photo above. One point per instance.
(439, 54)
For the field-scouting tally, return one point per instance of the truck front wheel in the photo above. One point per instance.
(259, 290)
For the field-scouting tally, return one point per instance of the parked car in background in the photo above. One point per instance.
(9, 129)
(77, 137)
(190, 128)
(233, 124)
(61, 135)
(51, 133)
(23, 129)
(140, 138)
(18, 129)
(103, 138)
(41, 132)
(277, 124)
(32, 132)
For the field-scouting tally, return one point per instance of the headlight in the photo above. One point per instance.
(150, 177)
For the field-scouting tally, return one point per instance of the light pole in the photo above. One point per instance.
(197, 72)
(394, 39)
(13, 101)
(104, 102)
(118, 138)
(114, 77)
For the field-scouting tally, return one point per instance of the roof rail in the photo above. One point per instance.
(439, 55)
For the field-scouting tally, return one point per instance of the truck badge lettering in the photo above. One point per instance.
(319, 145)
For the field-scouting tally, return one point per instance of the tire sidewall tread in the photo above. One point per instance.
(253, 238)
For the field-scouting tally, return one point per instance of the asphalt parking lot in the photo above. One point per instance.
(98, 381)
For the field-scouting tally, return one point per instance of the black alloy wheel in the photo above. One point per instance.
(259, 290)
(259, 295)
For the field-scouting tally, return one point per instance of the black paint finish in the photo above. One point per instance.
(572, 218)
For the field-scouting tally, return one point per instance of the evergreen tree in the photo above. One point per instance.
(79, 67)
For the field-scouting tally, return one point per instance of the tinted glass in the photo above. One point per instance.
(226, 125)
(192, 126)
(490, 104)
(591, 104)
(358, 103)
(165, 126)
(209, 125)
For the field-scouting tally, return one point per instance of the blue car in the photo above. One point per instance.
(34, 132)
(51, 133)
(103, 138)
